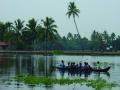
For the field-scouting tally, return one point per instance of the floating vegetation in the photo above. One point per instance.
(97, 84)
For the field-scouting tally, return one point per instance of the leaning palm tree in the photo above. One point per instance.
(49, 28)
(73, 11)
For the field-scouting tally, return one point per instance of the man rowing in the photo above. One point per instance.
(98, 65)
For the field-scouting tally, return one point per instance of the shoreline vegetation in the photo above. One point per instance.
(58, 52)
(43, 34)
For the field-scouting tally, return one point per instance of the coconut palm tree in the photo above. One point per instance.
(32, 29)
(18, 29)
(32, 25)
(2, 31)
(49, 28)
(9, 26)
(9, 34)
(73, 11)
(19, 26)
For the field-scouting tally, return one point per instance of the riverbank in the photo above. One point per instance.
(60, 52)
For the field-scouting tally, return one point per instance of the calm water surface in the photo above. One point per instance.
(12, 65)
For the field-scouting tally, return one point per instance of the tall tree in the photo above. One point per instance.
(9, 26)
(113, 37)
(19, 28)
(117, 43)
(105, 39)
(2, 31)
(32, 31)
(69, 36)
(73, 11)
(9, 35)
(31, 26)
(49, 27)
(96, 41)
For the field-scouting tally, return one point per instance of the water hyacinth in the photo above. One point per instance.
(97, 84)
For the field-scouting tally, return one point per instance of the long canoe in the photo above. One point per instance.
(101, 70)
(83, 70)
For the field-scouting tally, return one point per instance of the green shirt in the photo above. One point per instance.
(98, 65)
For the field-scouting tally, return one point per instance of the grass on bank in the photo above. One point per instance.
(60, 52)
(57, 52)
(97, 84)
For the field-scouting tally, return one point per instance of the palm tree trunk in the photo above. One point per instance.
(77, 30)
(76, 27)
(46, 51)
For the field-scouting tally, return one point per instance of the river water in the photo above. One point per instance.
(12, 65)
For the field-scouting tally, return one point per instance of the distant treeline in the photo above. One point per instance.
(32, 36)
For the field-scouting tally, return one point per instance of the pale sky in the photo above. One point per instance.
(95, 14)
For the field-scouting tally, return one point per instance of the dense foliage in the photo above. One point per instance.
(31, 36)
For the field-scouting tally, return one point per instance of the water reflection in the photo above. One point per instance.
(33, 65)
(11, 65)
(85, 75)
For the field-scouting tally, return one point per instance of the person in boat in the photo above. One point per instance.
(62, 64)
(98, 65)
(68, 65)
(72, 66)
(80, 65)
(76, 66)
(86, 65)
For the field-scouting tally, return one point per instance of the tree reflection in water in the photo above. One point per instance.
(33, 65)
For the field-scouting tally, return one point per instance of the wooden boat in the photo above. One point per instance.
(83, 69)
(101, 70)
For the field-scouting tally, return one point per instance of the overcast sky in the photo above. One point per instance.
(95, 14)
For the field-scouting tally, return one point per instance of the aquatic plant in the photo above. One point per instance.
(97, 84)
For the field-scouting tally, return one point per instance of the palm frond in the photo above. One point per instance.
(72, 10)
